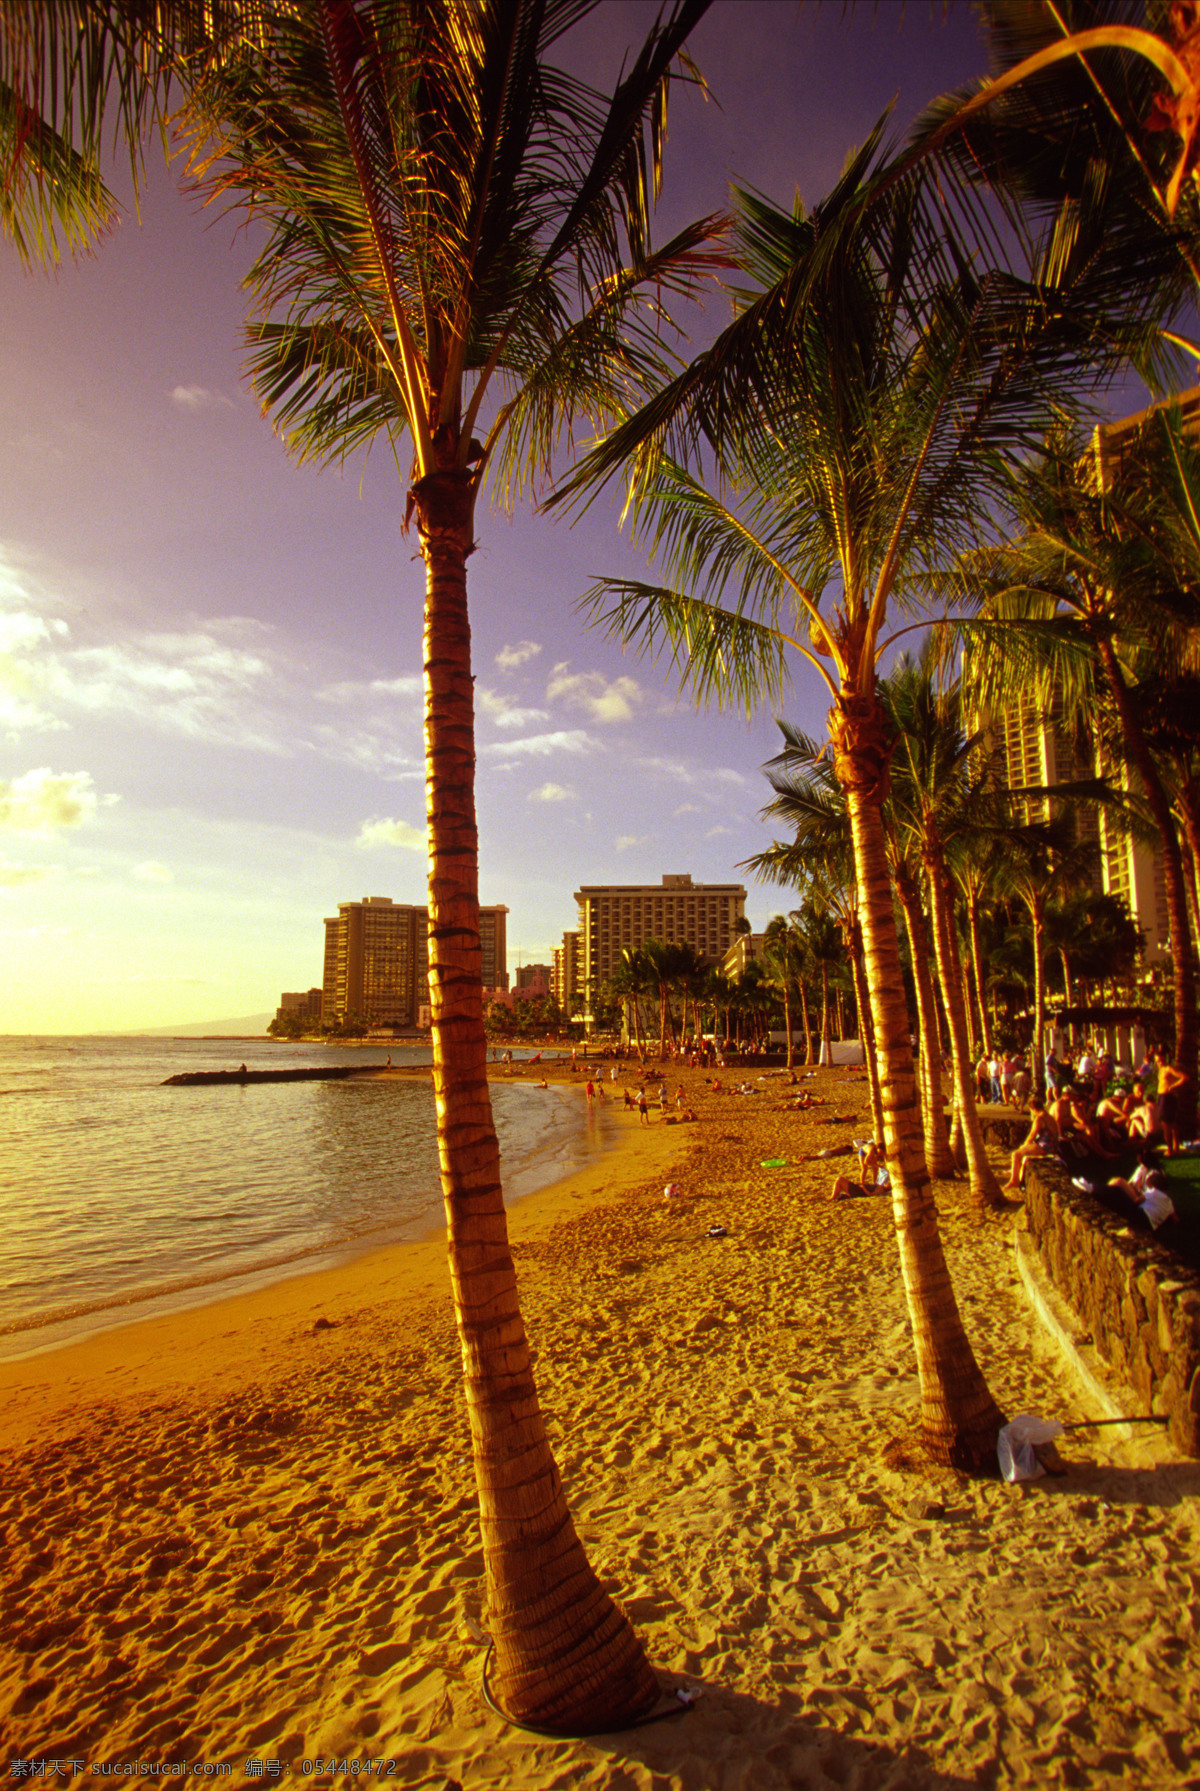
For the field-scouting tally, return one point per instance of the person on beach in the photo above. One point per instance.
(662, 1100)
(1170, 1081)
(629, 1103)
(1042, 1138)
(873, 1177)
(590, 1091)
(643, 1107)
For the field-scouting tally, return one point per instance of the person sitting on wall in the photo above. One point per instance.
(1112, 1119)
(1143, 1118)
(1041, 1140)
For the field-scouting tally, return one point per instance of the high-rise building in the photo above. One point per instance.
(377, 961)
(566, 977)
(614, 916)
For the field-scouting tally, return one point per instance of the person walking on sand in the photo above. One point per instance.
(590, 1091)
(662, 1099)
(643, 1108)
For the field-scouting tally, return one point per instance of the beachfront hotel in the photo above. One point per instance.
(619, 915)
(377, 961)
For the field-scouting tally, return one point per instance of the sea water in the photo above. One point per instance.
(120, 1197)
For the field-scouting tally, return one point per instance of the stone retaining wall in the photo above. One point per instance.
(1141, 1304)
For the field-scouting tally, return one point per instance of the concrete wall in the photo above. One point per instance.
(1141, 1305)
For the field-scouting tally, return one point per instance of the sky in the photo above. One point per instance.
(210, 657)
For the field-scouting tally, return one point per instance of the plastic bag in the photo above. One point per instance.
(1017, 1445)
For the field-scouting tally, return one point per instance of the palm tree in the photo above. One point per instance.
(853, 410)
(783, 954)
(935, 795)
(1098, 584)
(456, 256)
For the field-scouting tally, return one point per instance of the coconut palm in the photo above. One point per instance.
(810, 800)
(937, 783)
(853, 408)
(455, 257)
(783, 956)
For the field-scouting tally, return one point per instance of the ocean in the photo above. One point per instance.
(120, 1198)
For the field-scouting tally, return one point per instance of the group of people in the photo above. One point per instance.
(1085, 1121)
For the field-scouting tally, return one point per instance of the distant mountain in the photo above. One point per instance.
(245, 1027)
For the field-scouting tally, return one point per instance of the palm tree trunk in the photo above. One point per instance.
(826, 1053)
(1034, 904)
(566, 1658)
(1183, 950)
(977, 966)
(866, 1026)
(938, 1155)
(985, 1189)
(787, 1021)
(959, 1418)
(808, 1056)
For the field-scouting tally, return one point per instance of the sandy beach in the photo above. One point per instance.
(245, 1534)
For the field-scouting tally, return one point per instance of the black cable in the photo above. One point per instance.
(641, 1722)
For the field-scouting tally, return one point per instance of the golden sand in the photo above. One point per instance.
(242, 1534)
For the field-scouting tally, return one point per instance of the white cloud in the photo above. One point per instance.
(40, 802)
(552, 793)
(374, 834)
(604, 701)
(689, 808)
(199, 398)
(625, 840)
(540, 745)
(509, 658)
(502, 712)
(350, 691)
(152, 872)
(715, 832)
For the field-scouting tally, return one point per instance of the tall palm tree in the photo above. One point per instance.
(937, 782)
(456, 257)
(783, 954)
(810, 800)
(854, 409)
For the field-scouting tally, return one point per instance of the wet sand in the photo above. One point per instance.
(247, 1532)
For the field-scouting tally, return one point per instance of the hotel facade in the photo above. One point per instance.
(613, 917)
(377, 961)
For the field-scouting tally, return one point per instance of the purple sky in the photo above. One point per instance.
(210, 710)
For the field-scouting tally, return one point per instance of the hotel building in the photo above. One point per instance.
(377, 961)
(615, 916)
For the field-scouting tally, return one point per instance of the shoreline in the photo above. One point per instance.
(215, 1340)
(538, 1165)
(262, 1545)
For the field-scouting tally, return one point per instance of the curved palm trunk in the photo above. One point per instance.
(938, 1155)
(959, 1418)
(866, 1026)
(1183, 950)
(787, 1021)
(985, 1189)
(566, 1658)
